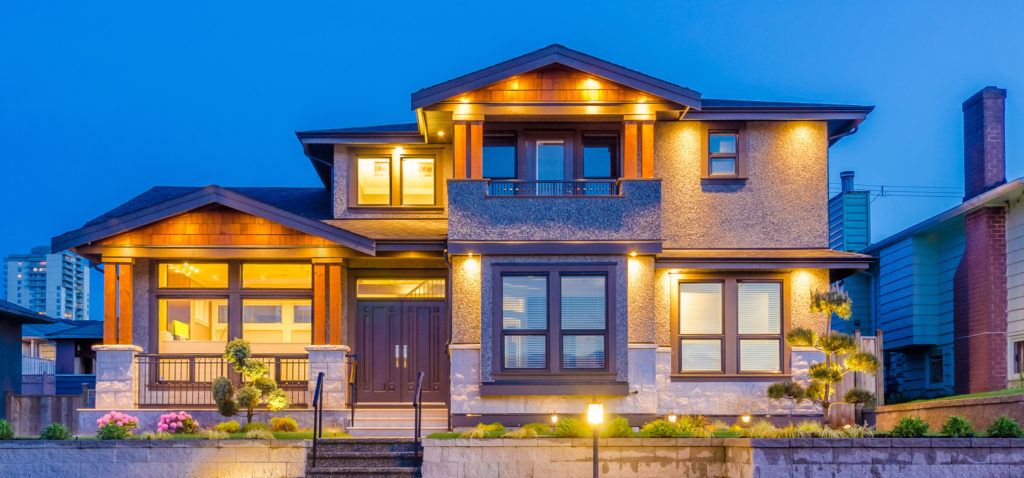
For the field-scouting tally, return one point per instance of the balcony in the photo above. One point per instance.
(626, 211)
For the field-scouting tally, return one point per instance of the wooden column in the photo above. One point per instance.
(328, 282)
(117, 301)
(319, 304)
(459, 149)
(647, 149)
(629, 149)
(476, 149)
(334, 285)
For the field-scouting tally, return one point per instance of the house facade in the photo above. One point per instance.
(947, 292)
(551, 229)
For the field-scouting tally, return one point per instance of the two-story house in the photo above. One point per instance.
(551, 228)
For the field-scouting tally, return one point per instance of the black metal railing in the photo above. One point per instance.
(578, 187)
(352, 388)
(318, 413)
(185, 380)
(417, 406)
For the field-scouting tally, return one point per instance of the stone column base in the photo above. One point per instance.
(116, 387)
(329, 359)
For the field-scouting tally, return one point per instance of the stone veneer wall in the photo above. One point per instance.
(728, 457)
(154, 458)
(981, 411)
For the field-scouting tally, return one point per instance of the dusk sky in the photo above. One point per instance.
(100, 102)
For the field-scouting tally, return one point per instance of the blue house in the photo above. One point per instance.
(947, 294)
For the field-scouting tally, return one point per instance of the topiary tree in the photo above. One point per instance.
(256, 388)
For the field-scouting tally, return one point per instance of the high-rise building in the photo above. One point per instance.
(55, 284)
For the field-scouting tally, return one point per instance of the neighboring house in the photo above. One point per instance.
(55, 284)
(552, 228)
(948, 292)
(12, 317)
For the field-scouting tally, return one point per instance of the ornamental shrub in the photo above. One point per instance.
(617, 428)
(957, 427)
(493, 430)
(540, 428)
(259, 434)
(254, 426)
(1004, 427)
(910, 427)
(116, 426)
(55, 431)
(283, 424)
(521, 433)
(6, 432)
(227, 427)
(569, 427)
(659, 429)
(177, 423)
(257, 386)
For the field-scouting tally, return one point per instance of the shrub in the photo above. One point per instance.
(1004, 427)
(6, 432)
(259, 434)
(617, 428)
(540, 428)
(254, 426)
(957, 427)
(283, 424)
(699, 433)
(56, 431)
(214, 435)
(116, 426)
(659, 429)
(690, 422)
(493, 430)
(858, 431)
(759, 429)
(228, 427)
(719, 425)
(176, 423)
(257, 386)
(521, 433)
(910, 427)
(155, 436)
(569, 427)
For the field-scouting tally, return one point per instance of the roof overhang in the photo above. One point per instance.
(843, 120)
(202, 197)
(14, 312)
(553, 247)
(840, 264)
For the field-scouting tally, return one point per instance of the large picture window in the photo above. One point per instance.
(201, 306)
(553, 319)
(729, 325)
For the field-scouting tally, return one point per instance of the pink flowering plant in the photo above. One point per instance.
(116, 425)
(180, 422)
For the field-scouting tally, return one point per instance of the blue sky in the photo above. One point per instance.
(99, 102)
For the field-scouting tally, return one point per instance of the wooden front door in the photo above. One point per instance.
(394, 341)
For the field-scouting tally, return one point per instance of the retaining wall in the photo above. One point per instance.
(981, 411)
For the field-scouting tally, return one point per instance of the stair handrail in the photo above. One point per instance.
(417, 405)
(318, 418)
(352, 389)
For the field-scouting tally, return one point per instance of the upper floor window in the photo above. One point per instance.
(600, 155)
(499, 156)
(374, 181)
(413, 176)
(725, 152)
(558, 152)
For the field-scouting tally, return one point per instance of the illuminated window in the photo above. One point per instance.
(277, 276)
(418, 181)
(188, 326)
(184, 275)
(374, 182)
(400, 288)
(274, 322)
(722, 153)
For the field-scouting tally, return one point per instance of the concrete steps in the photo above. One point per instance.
(365, 458)
(396, 422)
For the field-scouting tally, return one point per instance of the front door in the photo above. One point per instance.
(395, 340)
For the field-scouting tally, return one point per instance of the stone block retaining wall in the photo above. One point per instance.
(728, 457)
(981, 411)
(154, 458)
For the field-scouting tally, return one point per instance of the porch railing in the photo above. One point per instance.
(37, 366)
(185, 380)
(578, 187)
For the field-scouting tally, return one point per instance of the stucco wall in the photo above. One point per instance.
(465, 301)
(635, 215)
(641, 299)
(783, 203)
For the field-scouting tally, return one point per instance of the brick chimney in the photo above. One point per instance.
(979, 285)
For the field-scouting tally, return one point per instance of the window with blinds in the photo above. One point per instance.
(584, 320)
(699, 355)
(700, 308)
(759, 308)
(524, 320)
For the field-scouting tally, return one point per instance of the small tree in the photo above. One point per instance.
(256, 388)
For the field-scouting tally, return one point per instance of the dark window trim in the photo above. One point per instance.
(931, 370)
(554, 370)
(737, 128)
(1018, 356)
(574, 131)
(731, 352)
(234, 294)
(720, 337)
(394, 204)
(515, 151)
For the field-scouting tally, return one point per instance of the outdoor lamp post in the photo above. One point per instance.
(595, 415)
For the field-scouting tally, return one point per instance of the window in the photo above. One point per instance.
(725, 151)
(193, 325)
(935, 369)
(273, 321)
(1018, 357)
(550, 159)
(600, 155)
(411, 288)
(729, 325)
(418, 181)
(277, 276)
(183, 275)
(374, 181)
(553, 320)
(499, 156)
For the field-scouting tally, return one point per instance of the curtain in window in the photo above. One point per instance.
(700, 308)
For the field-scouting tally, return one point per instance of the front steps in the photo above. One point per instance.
(396, 422)
(365, 458)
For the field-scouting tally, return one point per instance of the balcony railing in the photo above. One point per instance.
(185, 380)
(578, 187)
(37, 366)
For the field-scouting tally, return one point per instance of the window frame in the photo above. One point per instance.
(515, 152)
(440, 156)
(391, 179)
(731, 337)
(553, 370)
(734, 128)
(931, 369)
(234, 294)
(401, 180)
(679, 336)
(573, 133)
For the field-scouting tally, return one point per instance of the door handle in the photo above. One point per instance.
(405, 356)
(396, 356)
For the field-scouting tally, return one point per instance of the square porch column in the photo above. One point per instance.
(329, 359)
(116, 385)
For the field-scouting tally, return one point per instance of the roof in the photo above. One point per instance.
(719, 103)
(14, 312)
(765, 254)
(993, 197)
(298, 208)
(382, 128)
(395, 229)
(548, 55)
(42, 330)
(89, 329)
